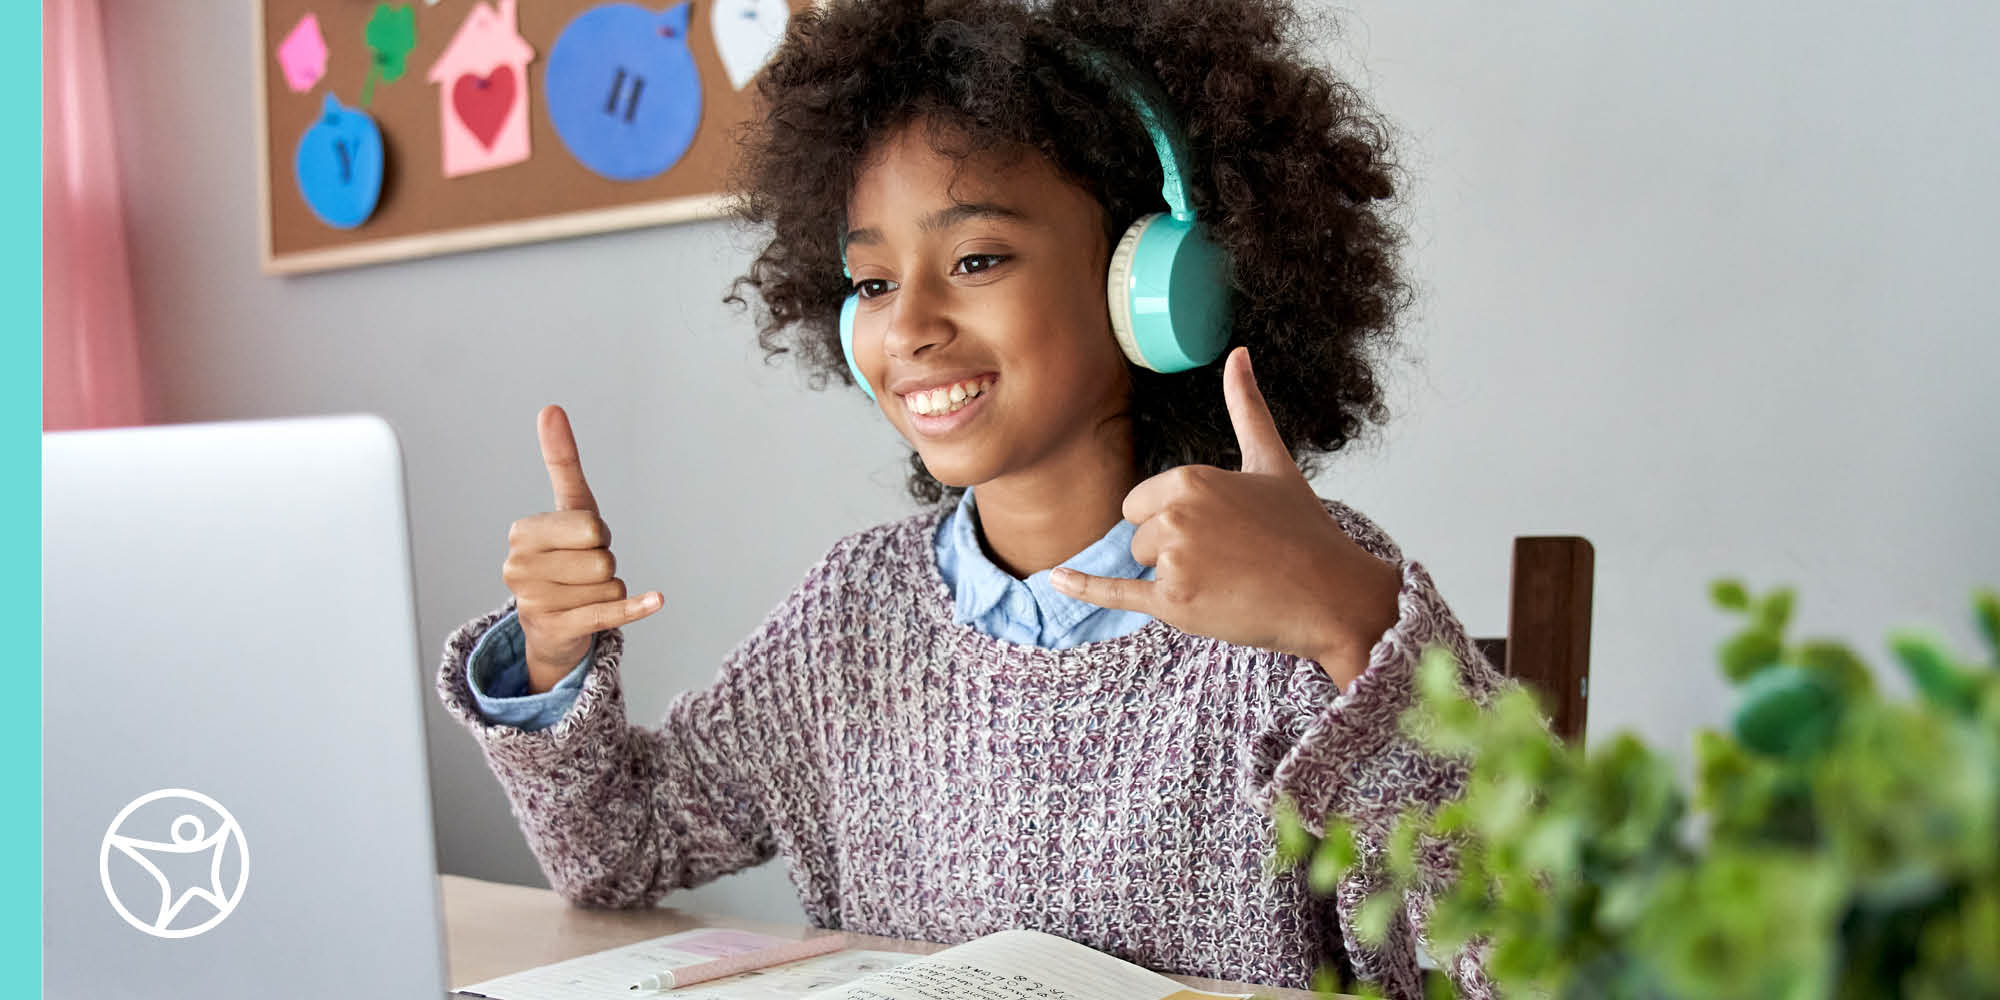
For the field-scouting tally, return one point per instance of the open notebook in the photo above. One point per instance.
(1010, 965)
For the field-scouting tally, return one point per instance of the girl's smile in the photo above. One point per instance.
(938, 411)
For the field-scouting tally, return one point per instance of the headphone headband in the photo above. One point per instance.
(1169, 144)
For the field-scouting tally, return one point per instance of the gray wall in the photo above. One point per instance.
(1707, 284)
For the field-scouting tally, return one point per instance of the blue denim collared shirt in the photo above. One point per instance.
(1026, 612)
(1031, 612)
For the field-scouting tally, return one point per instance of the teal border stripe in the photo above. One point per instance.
(21, 508)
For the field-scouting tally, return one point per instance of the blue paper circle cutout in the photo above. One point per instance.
(339, 165)
(622, 90)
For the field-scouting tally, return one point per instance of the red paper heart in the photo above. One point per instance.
(482, 102)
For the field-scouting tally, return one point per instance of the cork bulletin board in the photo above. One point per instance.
(388, 131)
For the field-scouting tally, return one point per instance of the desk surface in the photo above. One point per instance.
(494, 929)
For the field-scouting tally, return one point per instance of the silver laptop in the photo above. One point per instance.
(235, 802)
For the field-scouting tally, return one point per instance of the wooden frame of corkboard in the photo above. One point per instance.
(422, 213)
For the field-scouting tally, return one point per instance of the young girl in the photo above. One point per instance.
(942, 734)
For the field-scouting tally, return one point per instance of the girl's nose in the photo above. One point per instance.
(917, 321)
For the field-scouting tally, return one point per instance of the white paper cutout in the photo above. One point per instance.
(747, 32)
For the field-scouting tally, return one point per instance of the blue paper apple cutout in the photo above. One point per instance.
(622, 90)
(339, 165)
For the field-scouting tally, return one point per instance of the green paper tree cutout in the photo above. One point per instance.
(391, 34)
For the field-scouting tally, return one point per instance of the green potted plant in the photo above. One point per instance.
(1836, 844)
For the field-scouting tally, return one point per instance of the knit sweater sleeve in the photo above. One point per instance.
(1343, 753)
(618, 815)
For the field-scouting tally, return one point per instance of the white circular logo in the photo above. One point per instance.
(190, 848)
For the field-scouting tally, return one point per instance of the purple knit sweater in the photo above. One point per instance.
(925, 780)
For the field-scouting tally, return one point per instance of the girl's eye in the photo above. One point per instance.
(993, 257)
(862, 288)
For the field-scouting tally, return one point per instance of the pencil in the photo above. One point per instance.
(762, 958)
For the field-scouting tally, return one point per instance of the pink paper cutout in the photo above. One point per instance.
(482, 103)
(302, 54)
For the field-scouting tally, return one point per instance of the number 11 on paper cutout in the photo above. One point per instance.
(622, 89)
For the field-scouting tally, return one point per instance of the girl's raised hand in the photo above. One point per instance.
(1250, 557)
(559, 566)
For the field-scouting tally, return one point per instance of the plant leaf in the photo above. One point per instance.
(1835, 664)
(1295, 842)
(1749, 653)
(1332, 860)
(1371, 923)
(1786, 712)
(1774, 612)
(1986, 609)
(1933, 673)
(1729, 595)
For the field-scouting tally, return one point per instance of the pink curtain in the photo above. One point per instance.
(90, 343)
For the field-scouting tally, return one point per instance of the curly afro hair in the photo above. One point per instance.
(1290, 171)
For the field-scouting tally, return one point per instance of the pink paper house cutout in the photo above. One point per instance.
(483, 92)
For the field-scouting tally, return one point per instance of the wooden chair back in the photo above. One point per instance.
(1547, 646)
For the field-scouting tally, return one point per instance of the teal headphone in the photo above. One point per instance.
(1167, 286)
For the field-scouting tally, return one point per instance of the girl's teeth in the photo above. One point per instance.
(945, 400)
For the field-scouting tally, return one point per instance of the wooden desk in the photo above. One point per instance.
(493, 929)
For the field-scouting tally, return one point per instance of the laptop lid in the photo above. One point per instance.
(235, 796)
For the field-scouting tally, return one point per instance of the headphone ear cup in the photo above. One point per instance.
(1118, 290)
(847, 311)
(1167, 288)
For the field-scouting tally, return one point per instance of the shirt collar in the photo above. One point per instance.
(981, 584)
